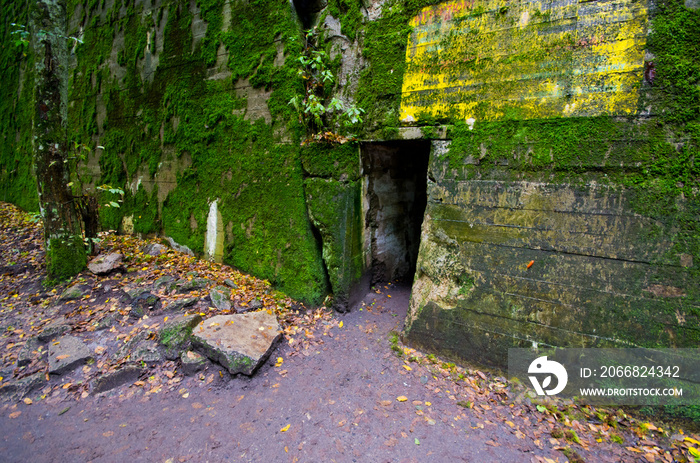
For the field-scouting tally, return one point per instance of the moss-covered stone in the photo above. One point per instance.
(175, 335)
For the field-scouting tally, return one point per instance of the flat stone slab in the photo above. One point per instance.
(66, 354)
(107, 381)
(241, 342)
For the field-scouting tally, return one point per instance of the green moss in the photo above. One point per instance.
(65, 257)
(349, 13)
(331, 161)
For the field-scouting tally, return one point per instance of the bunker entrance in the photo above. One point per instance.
(395, 197)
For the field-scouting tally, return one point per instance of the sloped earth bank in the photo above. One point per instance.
(338, 388)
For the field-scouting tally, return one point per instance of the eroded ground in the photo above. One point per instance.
(338, 388)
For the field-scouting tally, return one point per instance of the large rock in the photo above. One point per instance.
(238, 342)
(66, 354)
(102, 265)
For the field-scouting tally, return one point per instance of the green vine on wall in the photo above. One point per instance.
(318, 112)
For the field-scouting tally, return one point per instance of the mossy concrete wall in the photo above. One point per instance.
(565, 134)
(564, 201)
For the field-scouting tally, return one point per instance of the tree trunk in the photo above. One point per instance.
(65, 251)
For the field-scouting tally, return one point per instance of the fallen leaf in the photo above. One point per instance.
(340, 325)
(402, 398)
(407, 368)
(108, 434)
(27, 401)
(61, 357)
(286, 428)
(416, 441)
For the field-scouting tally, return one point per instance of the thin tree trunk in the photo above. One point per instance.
(65, 251)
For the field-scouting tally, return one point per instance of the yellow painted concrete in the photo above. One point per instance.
(490, 59)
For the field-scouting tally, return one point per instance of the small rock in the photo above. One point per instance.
(72, 293)
(28, 352)
(54, 329)
(221, 297)
(108, 381)
(240, 343)
(192, 362)
(105, 322)
(128, 346)
(181, 304)
(194, 284)
(67, 353)
(136, 292)
(175, 335)
(104, 264)
(167, 282)
(255, 304)
(145, 303)
(154, 249)
(15, 390)
(178, 247)
(228, 282)
(147, 352)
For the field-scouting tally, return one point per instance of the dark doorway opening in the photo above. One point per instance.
(307, 11)
(395, 199)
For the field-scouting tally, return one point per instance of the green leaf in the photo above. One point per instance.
(416, 441)
(541, 408)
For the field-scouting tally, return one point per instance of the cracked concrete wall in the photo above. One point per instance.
(513, 263)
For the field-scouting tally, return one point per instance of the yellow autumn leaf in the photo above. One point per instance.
(510, 423)
(165, 319)
(340, 325)
(286, 428)
(694, 452)
(407, 367)
(280, 360)
(692, 441)
(428, 404)
(402, 398)
(27, 401)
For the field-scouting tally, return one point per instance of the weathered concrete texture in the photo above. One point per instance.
(214, 238)
(67, 353)
(240, 343)
(514, 264)
(567, 58)
(335, 210)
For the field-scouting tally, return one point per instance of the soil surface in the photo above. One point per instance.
(338, 388)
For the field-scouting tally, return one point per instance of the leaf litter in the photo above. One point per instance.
(28, 307)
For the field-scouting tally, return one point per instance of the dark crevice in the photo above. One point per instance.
(318, 238)
(307, 11)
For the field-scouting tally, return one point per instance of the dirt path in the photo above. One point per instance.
(339, 388)
(338, 398)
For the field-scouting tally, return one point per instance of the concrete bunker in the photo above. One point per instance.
(394, 201)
